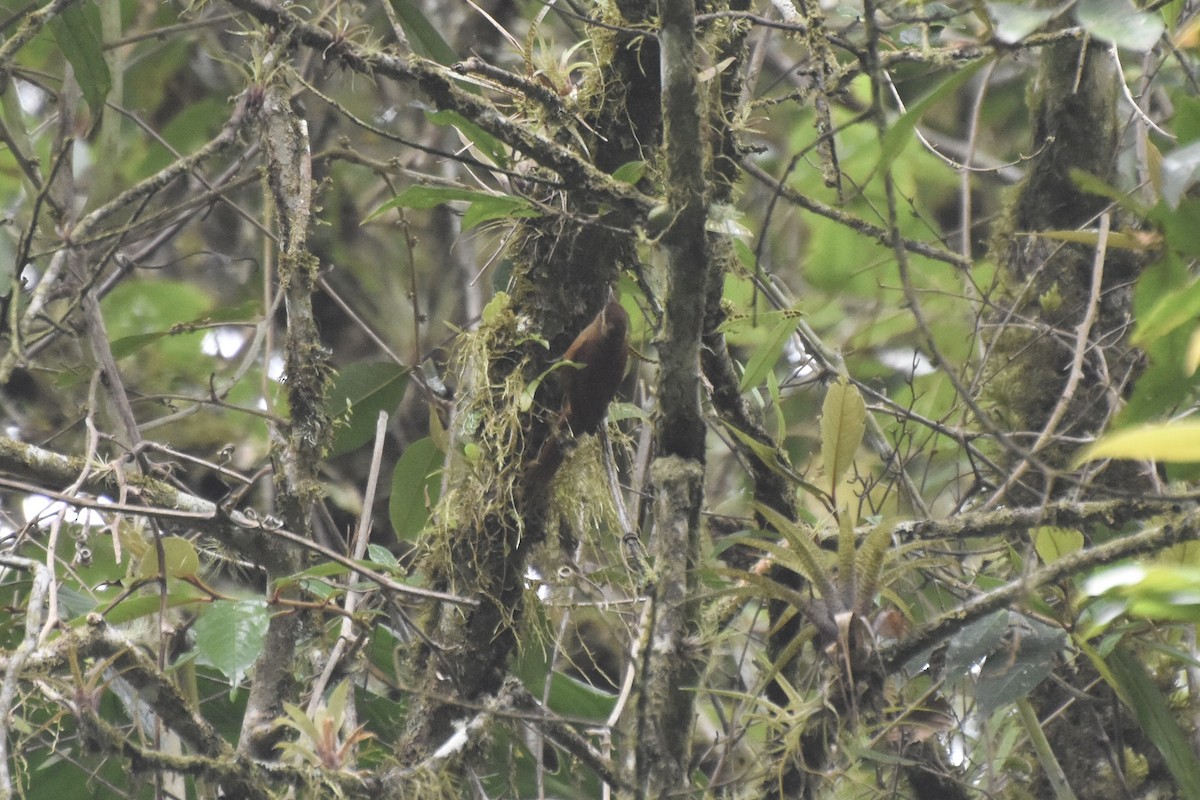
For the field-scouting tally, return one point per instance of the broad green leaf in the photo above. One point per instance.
(1168, 441)
(1180, 224)
(180, 558)
(1120, 22)
(525, 402)
(359, 392)
(1013, 653)
(1024, 660)
(768, 455)
(145, 605)
(416, 484)
(421, 196)
(843, 423)
(127, 346)
(900, 132)
(325, 569)
(620, 411)
(1014, 21)
(1174, 309)
(744, 255)
(1152, 591)
(422, 35)
(1180, 170)
(490, 206)
(194, 125)
(574, 697)
(297, 719)
(1138, 690)
(378, 554)
(487, 144)
(1160, 388)
(766, 356)
(1054, 543)
(77, 32)
(336, 704)
(229, 636)
(631, 172)
(973, 643)
(152, 306)
(494, 207)
(1101, 188)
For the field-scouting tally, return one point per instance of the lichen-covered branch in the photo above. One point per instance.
(300, 444)
(1175, 528)
(664, 704)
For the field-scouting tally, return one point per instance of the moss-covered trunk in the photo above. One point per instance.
(1060, 321)
(562, 268)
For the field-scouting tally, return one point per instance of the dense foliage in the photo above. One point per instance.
(894, 500)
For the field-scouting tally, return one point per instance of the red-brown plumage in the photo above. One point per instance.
(601, 351)
(602, 348)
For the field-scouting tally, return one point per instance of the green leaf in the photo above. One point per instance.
(1013, 21)
(416, 484)
(487, 144)
(1053, 543)
(484, 206)
(974, 643)
(1120, 22)
(1014, 654)
(145, 605)
(525, 402)
(843, 423)
(77, 32)
(359, 392)
(574, 697)
(493, 207)
(630, 172)
(378, 554)
(1180, 171)
(1092, 184)
(229, 636)
(167, 292)
(1172, 310)
(1138, 690)
(899, 132)
(801, 550)
(1158, 591)
(194, 125)
(1170, 441)
(307, 577)
(765, 357)
(128, 345)
(152, 306)
(180, 557)
(422, 35)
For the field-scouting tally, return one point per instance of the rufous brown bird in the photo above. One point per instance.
(601, 351)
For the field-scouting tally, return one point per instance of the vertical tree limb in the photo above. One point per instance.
(298, 445)
(664, 707)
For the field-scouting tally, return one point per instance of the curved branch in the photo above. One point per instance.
(1180, 527)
